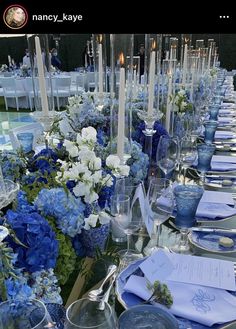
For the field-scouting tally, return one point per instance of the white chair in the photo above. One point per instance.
(30, 90)
(80, 83)
(61, 88)
(91, 81)
(10, 91)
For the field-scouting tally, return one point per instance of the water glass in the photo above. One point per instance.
(210, 129)
(187, 198)
(31, 315)
(147, 316)
(214, 111)
(26, 141)
(85, 313)
(205, 153)
(167, 155)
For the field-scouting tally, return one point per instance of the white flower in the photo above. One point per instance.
(91, 197)
(89, 133)
(104, 217)
(124, 170)
(86, 155)
(97, 176)
(71, 148)
(112, 161)
(95, 164)
(91, 221)
(181, 92)
(108, 180)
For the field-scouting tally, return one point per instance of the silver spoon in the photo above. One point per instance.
(93, 294)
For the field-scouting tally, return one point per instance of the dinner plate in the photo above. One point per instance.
(128, 300)
(210, 241)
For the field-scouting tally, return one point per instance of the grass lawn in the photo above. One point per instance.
(10, 109)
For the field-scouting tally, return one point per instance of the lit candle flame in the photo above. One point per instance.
(121, 59)
(100, 38)
(153, 47)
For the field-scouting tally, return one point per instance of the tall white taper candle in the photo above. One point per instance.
(121, 116)
(41, 77)
(100, 70)
(151, 83)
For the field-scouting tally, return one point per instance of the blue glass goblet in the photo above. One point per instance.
(210, 129)
(214, 111)
(187, 198)
(26, 141)
(205, 153)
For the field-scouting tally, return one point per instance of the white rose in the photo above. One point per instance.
(112, 161)
(89, 134)
(86, 155)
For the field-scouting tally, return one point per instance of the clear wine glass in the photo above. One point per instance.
(161, 205)
(30, 315)
(123, 220)
(167, 153)
(86, 314)
(188, 154)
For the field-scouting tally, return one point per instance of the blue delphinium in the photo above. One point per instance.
(12, 166)
(41, 247)
(65, 208)
(18, 291)
(45, 161)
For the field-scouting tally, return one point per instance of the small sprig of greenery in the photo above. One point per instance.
(161, 294)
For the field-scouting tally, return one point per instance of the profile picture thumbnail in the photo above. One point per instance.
(15, 16)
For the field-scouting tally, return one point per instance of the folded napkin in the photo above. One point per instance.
(224, 111)
(214, 210)
(204, 305)
(225, 120)
(222, 166)
(224, 134)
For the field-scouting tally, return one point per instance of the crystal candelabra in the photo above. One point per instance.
(8, 192)
(149, 131)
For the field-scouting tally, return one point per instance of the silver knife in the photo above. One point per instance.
(213, 230)
(221, 176)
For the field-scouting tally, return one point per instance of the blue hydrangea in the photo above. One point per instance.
(23, 205)
(138, 163)
(18, 291)
(35, 233)
(64, 207)
(78, 246)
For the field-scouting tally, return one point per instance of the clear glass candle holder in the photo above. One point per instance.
(210, 129)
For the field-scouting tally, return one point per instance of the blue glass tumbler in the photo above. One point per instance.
(214, 111)
(210, 129)
(187, 198)
(26, 141)
(205, 154)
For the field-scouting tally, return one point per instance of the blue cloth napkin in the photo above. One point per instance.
(204, 305)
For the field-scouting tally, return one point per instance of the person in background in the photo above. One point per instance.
(15, 17)
(26, 58)
(141, 55)
(55, 61)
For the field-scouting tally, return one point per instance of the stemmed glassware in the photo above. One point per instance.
(205, 153)
(123, 219)
(167, 155)
(32, 315)
(188, 153)
(161, 204)
(187, 198)
(85, 313)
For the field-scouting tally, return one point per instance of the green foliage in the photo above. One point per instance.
(160, 294)
(67, 257)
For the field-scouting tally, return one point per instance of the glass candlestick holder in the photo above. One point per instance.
(149, 120)
(46, 121)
